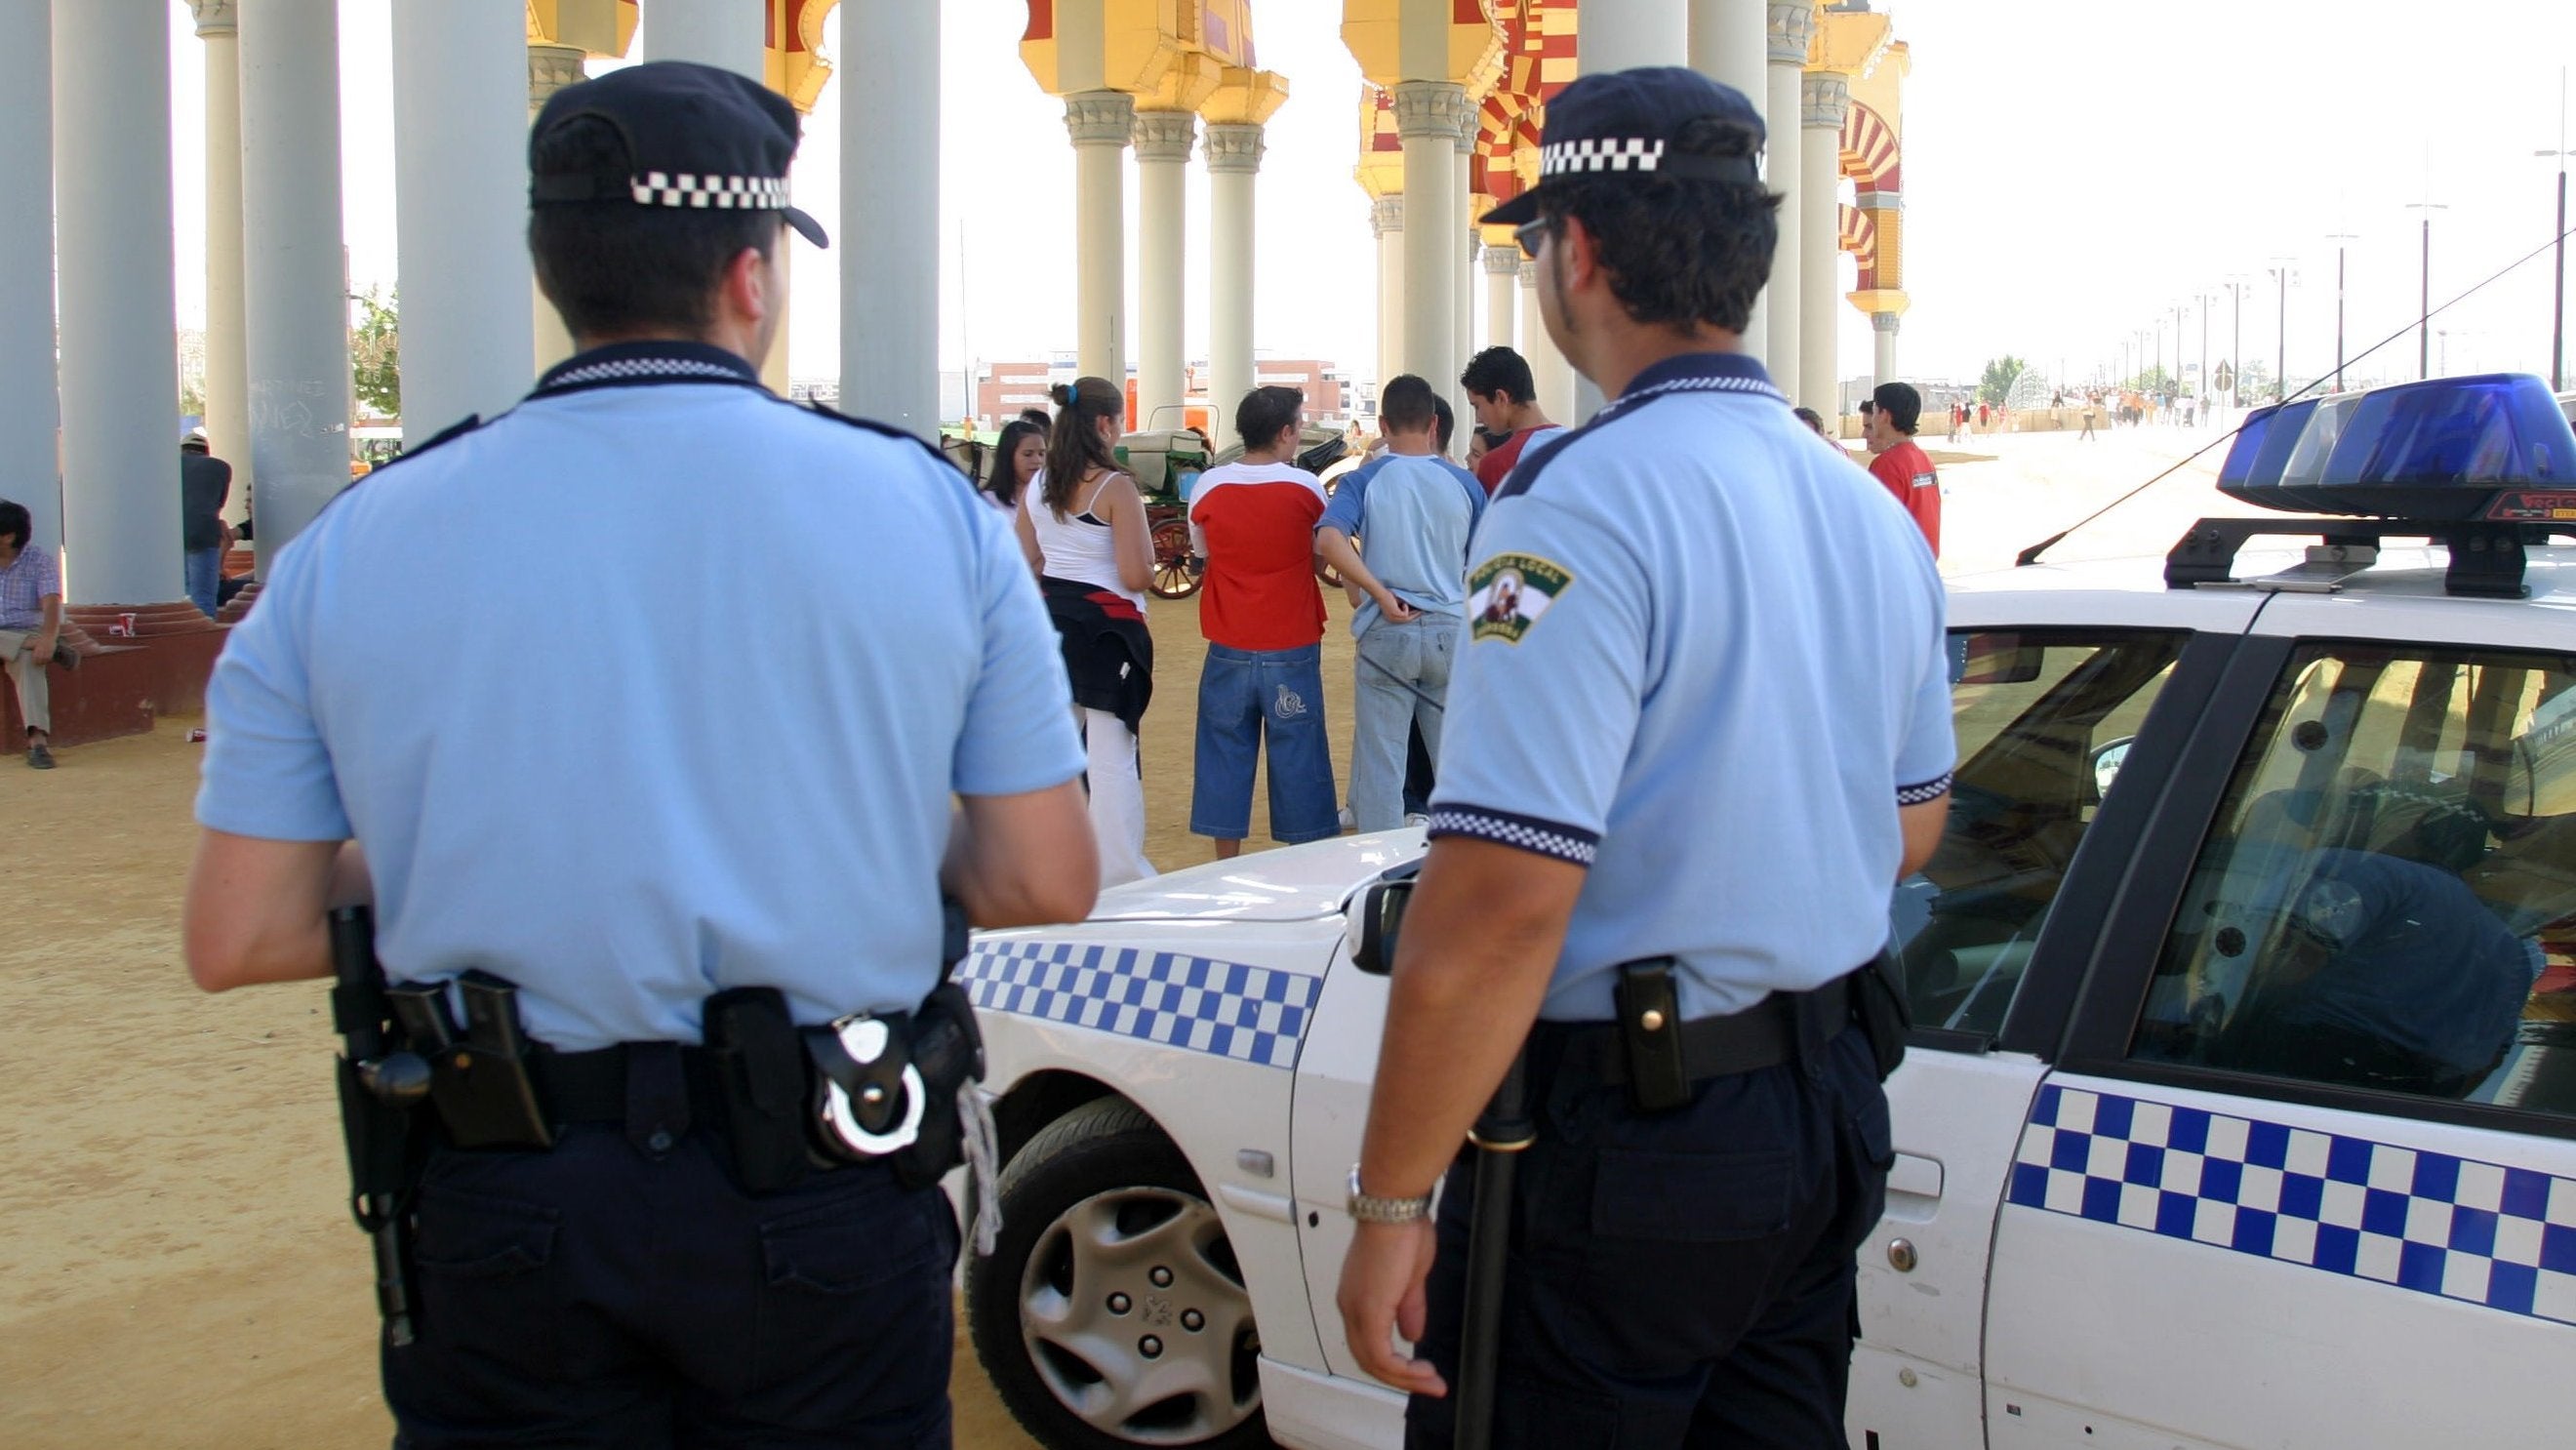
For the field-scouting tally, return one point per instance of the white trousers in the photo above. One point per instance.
(1117, 798)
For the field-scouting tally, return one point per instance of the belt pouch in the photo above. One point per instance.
(480, 1085)
(948, 1053)
(760, 1067)
(1650, 1036)
(1886, 1014)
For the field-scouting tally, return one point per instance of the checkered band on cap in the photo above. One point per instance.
(725, 193)
(1600, 154)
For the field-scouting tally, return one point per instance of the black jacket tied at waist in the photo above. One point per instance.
(1107, 652)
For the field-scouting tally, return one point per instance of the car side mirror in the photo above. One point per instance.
(2107, 762)
(1381, 917)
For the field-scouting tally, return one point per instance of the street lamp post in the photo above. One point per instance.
(2340, 239)
(2424, 291)
(2558, 302)
(2281, 328)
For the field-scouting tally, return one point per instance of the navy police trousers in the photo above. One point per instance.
(1676, 1279)
(604, 1294)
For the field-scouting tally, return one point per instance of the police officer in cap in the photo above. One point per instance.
(731, 692)
(1690, 755)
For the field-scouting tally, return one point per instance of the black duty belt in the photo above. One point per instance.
(632, 1082)
(1762, 1035)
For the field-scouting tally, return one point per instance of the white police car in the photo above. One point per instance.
(2242, 1106)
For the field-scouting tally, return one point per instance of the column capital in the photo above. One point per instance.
(1503, 260)
(1386, 214)
(1824, 100)
(550, 69)
(1878, 200)
(1234, 147)
(1100, 118)
(1165, 135)
(1884, 322)
(1529, 272)
(1792, 28)
(1434, 109)
(216, 17)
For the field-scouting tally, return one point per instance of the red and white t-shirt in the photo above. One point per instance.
(1255, 525)
(1907, 471)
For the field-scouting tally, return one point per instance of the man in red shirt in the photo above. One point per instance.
(1505, 396)
(1888, 418)
(1254, 523)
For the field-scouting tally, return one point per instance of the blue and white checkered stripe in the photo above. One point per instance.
(2455, 1227)
(1225, 1009)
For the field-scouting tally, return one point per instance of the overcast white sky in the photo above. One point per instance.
(2073, 170)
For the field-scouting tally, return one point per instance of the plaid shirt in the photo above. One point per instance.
(24, 585)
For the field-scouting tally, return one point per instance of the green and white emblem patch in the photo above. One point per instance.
(1509, 593)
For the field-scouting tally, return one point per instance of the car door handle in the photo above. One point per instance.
(1915, 1180)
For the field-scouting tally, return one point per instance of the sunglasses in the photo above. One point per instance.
(1531, 235)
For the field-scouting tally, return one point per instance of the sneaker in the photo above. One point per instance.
(39, 758)
(1349, 821)
(1417, 819)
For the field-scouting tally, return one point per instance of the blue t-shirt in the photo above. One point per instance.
(1413, 515)
(1705, 660)
(688, 718)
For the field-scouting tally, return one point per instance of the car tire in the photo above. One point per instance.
(1112, 1313)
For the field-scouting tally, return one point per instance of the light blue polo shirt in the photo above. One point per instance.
(654, 685)
(1412, 515)
(1704, 659)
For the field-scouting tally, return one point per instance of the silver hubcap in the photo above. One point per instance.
(1133, 1311)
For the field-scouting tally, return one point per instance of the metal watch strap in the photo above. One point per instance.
(1364, 1208)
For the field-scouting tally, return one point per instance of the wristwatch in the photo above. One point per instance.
(1366, 1209)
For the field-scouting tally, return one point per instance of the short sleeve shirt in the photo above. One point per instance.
(24, 586)
(694, 723)
(1497, 463)
(1413, 516)
(1704, 658)
(1906, 472)
(1255, 525)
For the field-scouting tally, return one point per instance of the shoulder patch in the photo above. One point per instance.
(1508, 594)
(870, 425)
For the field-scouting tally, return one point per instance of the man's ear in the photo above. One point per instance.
(746, 285)
(1581, 252)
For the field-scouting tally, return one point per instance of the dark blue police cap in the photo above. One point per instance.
(696, 136)
(1627, 121)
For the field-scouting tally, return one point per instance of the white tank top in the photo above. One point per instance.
(1079, 546)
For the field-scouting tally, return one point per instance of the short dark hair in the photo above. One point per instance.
(1680, 251)
(1500, 370)
(1037, 416)
(17, 523)
(1444, 422)
(1406, 403)
(1264, 413)
(612, 266)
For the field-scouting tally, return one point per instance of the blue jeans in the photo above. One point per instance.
(1242, 695)
(205, 577)
(1403, 680)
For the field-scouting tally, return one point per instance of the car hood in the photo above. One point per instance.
(1296, 883)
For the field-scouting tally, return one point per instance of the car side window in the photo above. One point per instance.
(2043, 719)
(2388, 899)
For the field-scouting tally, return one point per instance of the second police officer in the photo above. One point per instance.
(1700, 726)
(730, 694)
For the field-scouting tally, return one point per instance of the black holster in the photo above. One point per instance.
(1884, 1011)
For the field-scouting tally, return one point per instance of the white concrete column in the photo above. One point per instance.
(1386, 215)
(1550, 375)
(1429, 116)
(1100, 123)
(1728, 45)
(1827, 98)
(1793, 25)
(293, 263)
(1883, 324)
(890, 268)
(227, 391)
(1625, 34)
(27, 388)
(119, 333)
(1464, 308)
(461, 188)
(1502, 293)
(550, 69)
(1163, 142)
(1234, 165)
(727, 33)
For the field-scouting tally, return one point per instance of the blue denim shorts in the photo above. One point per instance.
(1243, 696)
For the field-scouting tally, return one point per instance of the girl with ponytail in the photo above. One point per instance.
(1082, 525)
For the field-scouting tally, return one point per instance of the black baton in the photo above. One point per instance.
(1499, 1136)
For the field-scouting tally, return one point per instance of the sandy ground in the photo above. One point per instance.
(176, 1265)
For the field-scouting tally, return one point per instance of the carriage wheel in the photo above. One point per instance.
(1172, 576)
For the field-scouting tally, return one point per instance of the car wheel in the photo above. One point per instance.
(1113, 1313)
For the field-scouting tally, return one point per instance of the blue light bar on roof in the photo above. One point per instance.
(2437, 450)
